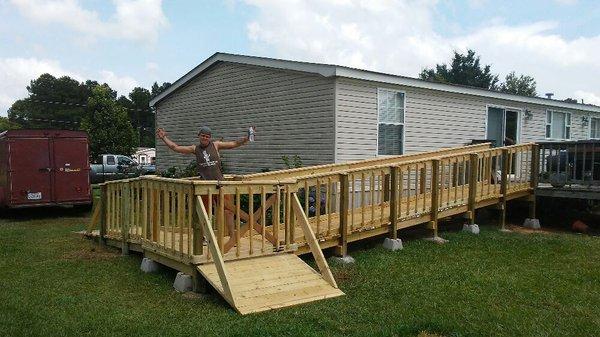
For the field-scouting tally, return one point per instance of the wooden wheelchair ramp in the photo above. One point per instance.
(269, 282)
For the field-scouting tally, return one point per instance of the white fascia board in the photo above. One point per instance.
(417, 83)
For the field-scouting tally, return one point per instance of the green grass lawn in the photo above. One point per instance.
(501, 284)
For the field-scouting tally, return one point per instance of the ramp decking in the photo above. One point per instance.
(270, 282)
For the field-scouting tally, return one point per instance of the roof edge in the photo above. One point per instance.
(325, 70)
(329, 70)
(459, 89)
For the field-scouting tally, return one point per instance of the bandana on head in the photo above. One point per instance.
(205, 130)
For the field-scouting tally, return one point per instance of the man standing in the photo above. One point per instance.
(208, 162)
(207, 151)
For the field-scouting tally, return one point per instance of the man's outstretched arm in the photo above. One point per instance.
(162, 134)
(231, 145)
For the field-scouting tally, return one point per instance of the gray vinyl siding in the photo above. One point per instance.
(293, 113)
(433, 119)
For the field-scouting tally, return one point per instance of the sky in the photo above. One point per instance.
(129, 43)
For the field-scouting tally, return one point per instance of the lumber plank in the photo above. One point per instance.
(216, 254)
(312, 242)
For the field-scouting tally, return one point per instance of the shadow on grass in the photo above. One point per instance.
(41, 213)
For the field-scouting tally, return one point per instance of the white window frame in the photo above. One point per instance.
(519, 112)
(567, 125)
(590, 127)
(403, 124)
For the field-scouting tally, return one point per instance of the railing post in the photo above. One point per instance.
(535, 174)
(474, 169)
(103, 213)
(221, 221)
(125, 218)
(422, 180)
(394, 202)
(276, 216)
(503, 187)
(155, 209)
(435, 200)
(198, 237)
(342, 248)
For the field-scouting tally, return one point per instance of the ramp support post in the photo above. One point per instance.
(474, 169)
(504, 187)
(394, 202)
(342, 247)
(103, 213)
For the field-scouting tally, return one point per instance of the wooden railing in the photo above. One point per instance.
(310, 171)
(257, 217)
(570, 163)
(342, 204)
(248, 218)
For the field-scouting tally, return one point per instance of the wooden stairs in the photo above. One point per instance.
(270, 281)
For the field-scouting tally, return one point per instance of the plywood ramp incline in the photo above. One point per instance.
(270, 282)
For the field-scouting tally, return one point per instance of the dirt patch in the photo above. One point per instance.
(91, 253)
(524, 230)
(344, 273)
(190, 295)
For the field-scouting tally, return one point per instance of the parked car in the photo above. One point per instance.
(44, 168)
(113, 166)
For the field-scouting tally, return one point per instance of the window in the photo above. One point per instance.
(558, 125)
(390, 106)
(110, 160)
(595, 128)
(125, 161)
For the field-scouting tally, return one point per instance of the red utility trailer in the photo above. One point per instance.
(44, 168)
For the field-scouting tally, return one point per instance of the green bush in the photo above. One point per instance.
(175, 172)
(290, 163)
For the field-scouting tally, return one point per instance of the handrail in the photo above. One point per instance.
(341, 167)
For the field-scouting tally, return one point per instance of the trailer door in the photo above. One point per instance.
(29, 170)
(71, 170)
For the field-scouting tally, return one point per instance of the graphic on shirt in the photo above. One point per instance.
(207, 160)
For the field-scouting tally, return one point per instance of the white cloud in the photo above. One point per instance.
(137, 20)
(17, 73)
(122, 84)
(588, 97)
(152, 66)
(363, 34)
(397, 36)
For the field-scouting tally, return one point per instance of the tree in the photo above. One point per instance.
(140, 115)
(157, 89)
(6, 124)
(464, 70)
(36, 111)
(520, 85)
(108, 124)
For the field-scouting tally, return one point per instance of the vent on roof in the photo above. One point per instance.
(549, 95)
